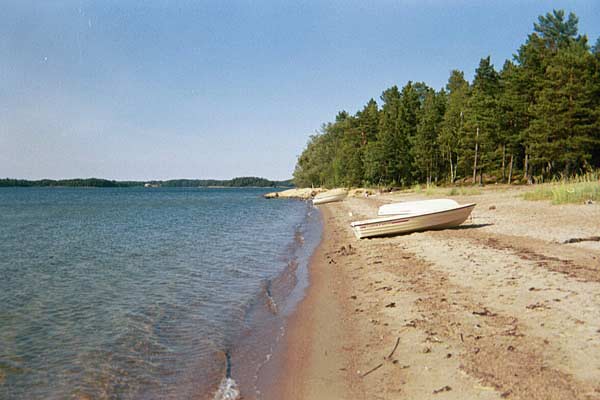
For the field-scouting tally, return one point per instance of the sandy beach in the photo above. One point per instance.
(501, 307)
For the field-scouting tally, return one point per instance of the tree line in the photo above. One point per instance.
(247, 181)
(536, 118)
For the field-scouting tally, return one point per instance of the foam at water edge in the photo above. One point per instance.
(228, 390)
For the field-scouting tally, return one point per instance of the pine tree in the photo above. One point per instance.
(564, 130)
(555, 31)
(481, 121)
(425, 146)
(532, 59)
(560, 114)
(368, 121)
(452, 126)
(513, 118)
(410, 104)
(350, 152)
(385, 155)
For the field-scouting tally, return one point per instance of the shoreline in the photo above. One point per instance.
(497, 308)
(312, 348)
(256, 352)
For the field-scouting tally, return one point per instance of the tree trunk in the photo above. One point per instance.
(428, 174)
(475, 160)
(503, 163)
(451, 170)
(510, 170)
(455, 169)
(526, 167)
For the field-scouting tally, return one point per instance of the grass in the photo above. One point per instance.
(463, 191)
(428, 190)
(433, 190)
(578, 189)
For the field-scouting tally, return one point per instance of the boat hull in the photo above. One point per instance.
(329, 199)
(330, 196)
(401, 224)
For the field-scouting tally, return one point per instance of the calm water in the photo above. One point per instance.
(133, 293)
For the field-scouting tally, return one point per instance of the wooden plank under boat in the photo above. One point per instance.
(405, 223)
(417, 207)
(330, 196)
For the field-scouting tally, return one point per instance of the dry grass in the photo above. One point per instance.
(464, 191)
(433, 190)
(578, 189)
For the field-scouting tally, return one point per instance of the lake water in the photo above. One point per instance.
(143, 293)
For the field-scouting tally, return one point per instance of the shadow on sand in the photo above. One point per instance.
(470, 226)
(456, 228)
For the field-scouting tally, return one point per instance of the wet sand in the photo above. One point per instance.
(499, 308)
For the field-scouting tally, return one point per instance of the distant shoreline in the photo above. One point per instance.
(238, 182)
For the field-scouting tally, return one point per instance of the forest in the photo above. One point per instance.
(535, 119)
(248, 181)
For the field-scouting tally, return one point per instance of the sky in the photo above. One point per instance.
(143, 90)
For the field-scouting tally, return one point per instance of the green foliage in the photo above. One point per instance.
(538, 116)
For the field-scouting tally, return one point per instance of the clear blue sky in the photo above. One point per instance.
(174, 89)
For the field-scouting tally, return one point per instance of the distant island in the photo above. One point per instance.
(245, 181)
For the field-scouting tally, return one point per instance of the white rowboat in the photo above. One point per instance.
(330, 196)
(405, 223)
(417, 207)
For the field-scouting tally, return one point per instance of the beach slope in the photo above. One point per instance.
(501, 307)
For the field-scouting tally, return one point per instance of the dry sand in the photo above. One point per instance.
(497, 308)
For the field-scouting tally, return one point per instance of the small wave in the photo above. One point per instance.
(228, 390)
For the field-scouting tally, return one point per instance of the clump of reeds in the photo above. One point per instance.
(577, 189)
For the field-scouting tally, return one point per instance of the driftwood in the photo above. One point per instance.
(484, 313)
(388, 358)
(372, 370)
(442, 389)
(587, 239)
(395, 347)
